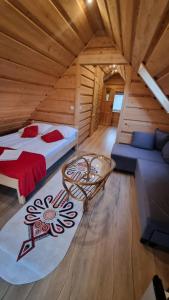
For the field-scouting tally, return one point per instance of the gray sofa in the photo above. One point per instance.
(152, 188)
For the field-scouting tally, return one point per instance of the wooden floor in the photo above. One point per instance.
(105, 260)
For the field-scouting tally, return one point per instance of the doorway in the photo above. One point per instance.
(99, 90)
(113, 95)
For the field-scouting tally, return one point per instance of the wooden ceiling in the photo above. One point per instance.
(140, 29)
(57, 30)
(47, 35)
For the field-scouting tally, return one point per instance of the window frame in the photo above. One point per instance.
(117, 94)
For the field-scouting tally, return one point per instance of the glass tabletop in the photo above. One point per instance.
(88, 167)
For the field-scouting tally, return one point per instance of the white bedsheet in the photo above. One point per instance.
(51, 151)
(15, 141)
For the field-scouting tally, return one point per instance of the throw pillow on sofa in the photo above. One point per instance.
(144, 140)
(161, 138)
(165, 152)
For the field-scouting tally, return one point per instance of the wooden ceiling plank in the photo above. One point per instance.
(16, 24)
(75, 16)
(16, 71)
(13, 86)
(93, 14)
(121, 71)
(158, 61)
(114, 14)
(150, 14)
(128, 13)
(159, 32)
(164, 83)
(101, 42)
(15, 51)
(105, 17)
(47, 16)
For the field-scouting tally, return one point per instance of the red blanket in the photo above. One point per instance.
(29, 169)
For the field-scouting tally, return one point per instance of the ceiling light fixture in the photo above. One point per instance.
(114, 66)
(89, 1)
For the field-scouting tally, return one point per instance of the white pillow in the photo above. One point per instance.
(67, 131)
(42, 127)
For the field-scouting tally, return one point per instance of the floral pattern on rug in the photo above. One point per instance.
(50, 216)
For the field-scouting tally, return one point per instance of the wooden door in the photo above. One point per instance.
(106, 109)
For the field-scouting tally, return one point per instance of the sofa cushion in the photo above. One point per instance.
(165, 152)
(152, 189)
(161, 138)
(144, 140)
(126, 156)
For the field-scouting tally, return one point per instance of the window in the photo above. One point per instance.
(117, 103)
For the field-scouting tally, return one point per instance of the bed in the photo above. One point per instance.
(52, 152)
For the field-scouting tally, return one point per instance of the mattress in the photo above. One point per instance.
(51, 151)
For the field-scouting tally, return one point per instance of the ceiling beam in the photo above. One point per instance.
(101, 56)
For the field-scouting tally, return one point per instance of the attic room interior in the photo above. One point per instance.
(84, 149)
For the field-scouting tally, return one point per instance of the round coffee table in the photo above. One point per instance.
(85, 175)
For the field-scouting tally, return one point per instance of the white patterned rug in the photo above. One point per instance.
(36, 239)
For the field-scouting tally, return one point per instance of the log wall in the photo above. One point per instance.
(21, 89)
(85, 100)
(141, 111)
(59, 105)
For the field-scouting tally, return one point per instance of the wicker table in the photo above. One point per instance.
(84, 176)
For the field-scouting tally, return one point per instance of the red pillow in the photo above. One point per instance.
(30, 132)
(52, 136)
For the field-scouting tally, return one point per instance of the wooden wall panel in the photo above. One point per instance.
(18, 72)
(21, 90)
(86, 98)
(87, 73)
(84, 115)
(141, 112)
(97, 98)
(59, 105)
(53, 117)
(90, 79)
(86, 90)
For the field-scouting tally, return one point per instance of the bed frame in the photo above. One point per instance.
(13, 183)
